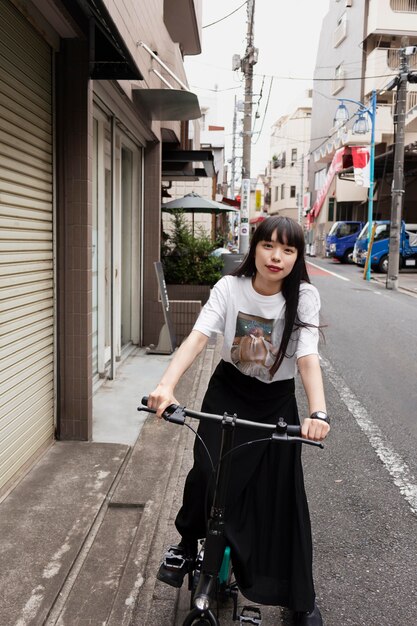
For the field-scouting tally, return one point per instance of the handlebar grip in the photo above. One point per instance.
(173, 413)
(294, 430)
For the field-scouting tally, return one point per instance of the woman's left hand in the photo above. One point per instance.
(314, 429)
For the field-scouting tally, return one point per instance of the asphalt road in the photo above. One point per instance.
(362, 487)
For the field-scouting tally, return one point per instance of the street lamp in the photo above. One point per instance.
(361, 127)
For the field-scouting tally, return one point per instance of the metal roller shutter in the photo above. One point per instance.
(26, 243)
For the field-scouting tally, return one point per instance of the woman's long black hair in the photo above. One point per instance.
(290, 233)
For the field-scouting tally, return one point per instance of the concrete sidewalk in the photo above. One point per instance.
(407, 281)
(84, 530)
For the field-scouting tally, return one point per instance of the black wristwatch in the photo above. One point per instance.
(320, 415)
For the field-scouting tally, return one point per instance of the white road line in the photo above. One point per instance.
(328, 271)
(399, 470)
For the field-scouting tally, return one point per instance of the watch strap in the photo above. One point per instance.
(320, 415)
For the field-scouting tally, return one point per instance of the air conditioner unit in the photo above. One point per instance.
(348, 3)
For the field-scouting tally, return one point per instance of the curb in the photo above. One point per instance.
(152, 480)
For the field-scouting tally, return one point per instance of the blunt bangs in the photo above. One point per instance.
(288, 232)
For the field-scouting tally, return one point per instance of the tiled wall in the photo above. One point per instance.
(152, 310)
(74, 219)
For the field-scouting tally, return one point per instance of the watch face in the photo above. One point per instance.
(321, 415)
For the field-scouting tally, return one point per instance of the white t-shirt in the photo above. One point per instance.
(252, 326)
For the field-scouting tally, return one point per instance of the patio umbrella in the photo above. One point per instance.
(193, 203)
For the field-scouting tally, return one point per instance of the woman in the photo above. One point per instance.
(268, 314)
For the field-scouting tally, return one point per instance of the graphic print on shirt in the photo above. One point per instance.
(252, 350)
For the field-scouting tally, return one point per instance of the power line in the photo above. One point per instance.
(217, 90)
(266, 109)
(327, 79)
(226, 16)
(306, 78)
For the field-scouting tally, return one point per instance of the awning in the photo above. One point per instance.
(231, 202)
(110, 58)
(185, 164)
(257, 220)
(168, 104)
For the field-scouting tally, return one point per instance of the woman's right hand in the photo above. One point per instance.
(160, 398)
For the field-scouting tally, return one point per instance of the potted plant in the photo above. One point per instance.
(190, 270)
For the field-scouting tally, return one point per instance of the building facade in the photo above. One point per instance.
(359, 51)
(94, 116)
(289, 154)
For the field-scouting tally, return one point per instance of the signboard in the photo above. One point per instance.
(245, 200)
(258, 199)
(167, 340)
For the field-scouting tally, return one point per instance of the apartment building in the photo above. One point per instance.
(94, 115)
(359, 51)
(289, 153)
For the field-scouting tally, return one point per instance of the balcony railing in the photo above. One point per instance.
(404, 6)
(393, 58)
(411, 101)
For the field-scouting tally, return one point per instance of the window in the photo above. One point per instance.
(292, 191)
(294, 154)
(319, 179)
(282, 192)
(347, 229)
(276, 194)
(340, 32)
(382, 232)
(339, 79)
(331, 210)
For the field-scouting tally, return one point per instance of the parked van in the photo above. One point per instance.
(341, 240)
(380, 246)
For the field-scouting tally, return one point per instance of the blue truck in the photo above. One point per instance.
(380, 246)
(341, 240)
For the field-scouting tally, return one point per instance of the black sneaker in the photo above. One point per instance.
(313, 618)
(177, 562)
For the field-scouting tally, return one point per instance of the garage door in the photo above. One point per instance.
(26, 244)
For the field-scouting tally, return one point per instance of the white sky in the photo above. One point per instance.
(286, 34)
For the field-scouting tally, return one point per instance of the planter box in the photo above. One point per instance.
(184, 316)
(189, 292)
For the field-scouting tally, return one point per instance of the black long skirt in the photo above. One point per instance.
(267, 519)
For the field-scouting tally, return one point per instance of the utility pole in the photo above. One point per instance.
(247, 63)
(301, 194)
(233, 172)
(398, 180)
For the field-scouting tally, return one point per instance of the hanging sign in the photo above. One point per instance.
(361, 166)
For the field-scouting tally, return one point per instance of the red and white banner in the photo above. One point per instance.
(361, 165)
(335, 167)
